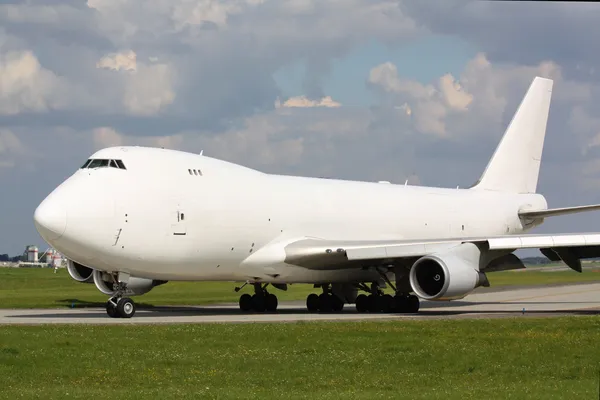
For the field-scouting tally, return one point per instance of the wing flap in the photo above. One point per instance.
(541, 241)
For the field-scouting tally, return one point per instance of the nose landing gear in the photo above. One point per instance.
(119, 306)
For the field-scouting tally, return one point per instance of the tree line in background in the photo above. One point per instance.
(7, 258)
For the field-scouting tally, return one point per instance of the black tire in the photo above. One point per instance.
(271, 302)
(126, 307)
(111, 310)
(245, 302)
(374, 303)
(337, 304)
(312, 302)
(413, 304)
(400, 304)
(362, 303)
(387, 303)
(324, 303)
(258, 303)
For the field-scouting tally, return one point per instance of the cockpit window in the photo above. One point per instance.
(98, 163)
(103, 163)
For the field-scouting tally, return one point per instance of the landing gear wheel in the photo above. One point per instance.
(258, 303)
(111, 310)
(387, 303)
(400, 303)
(246, 302)
(324, 302)
(312, 302)
(362, 303)
(271, 302)
(337, 304)
(125, 307)
(413, 304)
(375, 303)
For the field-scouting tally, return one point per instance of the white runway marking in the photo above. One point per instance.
(571, 299)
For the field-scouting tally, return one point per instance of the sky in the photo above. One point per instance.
(353, 89)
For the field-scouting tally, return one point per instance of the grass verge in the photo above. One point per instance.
(551, 358)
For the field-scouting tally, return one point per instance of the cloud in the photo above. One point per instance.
(519, 32)
(25, 85)
(472, 103)
(10, 148)
(107, 137)
(303, 102)
(149, 90)
(126, 60)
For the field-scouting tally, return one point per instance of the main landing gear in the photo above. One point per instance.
(119, 306)
(324, 302)
(386, 303)
(260, 301)
(377, 301)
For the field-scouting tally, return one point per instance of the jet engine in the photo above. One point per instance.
(79, 272)
(448, 275)
(135, 286)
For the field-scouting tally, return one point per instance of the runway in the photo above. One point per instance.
(546, 301)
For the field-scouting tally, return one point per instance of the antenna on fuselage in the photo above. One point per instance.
(201, 151)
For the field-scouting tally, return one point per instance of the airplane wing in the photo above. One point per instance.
(331, 254)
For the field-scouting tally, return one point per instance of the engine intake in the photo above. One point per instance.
(135, 286)
(79, 272)
(448, 275)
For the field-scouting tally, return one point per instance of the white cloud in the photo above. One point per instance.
(303, 102)
(10, 148)
(147, 88)
(126, 60)
(106, 137)
(473, 103)
(25, 85)
(197, 12)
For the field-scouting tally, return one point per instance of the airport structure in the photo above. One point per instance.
(51, 257)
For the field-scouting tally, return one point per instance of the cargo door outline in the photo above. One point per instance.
(178, 227)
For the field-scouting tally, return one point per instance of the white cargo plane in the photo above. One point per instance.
(132, 218)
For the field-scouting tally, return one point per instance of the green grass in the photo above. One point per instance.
(34, 287)
(517, 358)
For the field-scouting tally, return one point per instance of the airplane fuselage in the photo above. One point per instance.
(178, 216)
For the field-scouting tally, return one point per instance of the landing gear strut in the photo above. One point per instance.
(119, 306)
(260, 301)
(325, 302)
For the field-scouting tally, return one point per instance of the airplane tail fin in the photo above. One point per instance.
(515, 165)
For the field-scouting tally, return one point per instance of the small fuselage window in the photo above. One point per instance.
(103, 163)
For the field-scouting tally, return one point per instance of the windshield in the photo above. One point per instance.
(103, 163)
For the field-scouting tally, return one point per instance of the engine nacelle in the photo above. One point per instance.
(448, 275)
(79, 272)
(135, 286)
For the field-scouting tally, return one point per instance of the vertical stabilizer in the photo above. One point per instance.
(515, 165)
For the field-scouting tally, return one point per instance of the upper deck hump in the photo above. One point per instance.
(159, 158)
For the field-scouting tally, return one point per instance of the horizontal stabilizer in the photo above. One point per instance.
(552, 212)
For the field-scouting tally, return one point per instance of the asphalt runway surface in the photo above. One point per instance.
(522, 302)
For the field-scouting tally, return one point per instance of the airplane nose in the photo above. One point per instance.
(51, 219)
